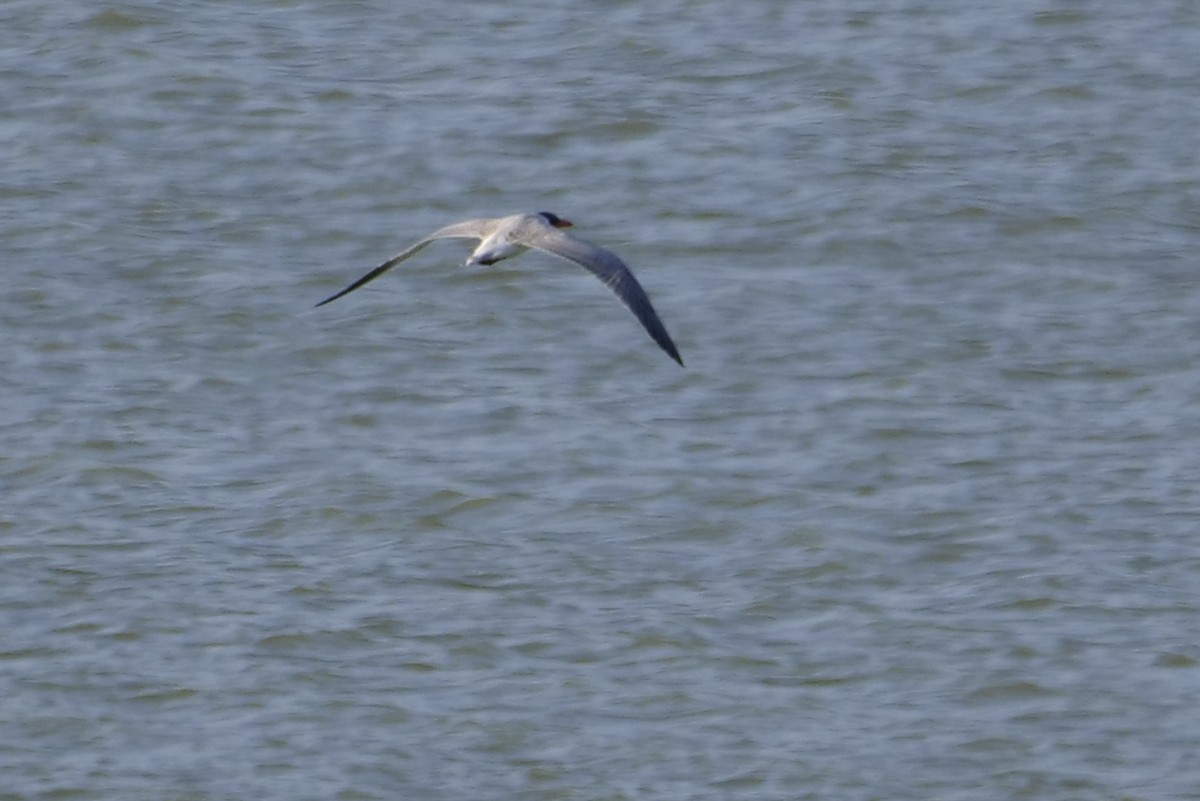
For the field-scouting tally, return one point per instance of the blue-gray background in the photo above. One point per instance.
(918, 520)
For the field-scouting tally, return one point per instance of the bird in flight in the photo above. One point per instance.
(505, 237)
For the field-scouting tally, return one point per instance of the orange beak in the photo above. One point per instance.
(563, 223)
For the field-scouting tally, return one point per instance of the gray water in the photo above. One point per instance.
(917, 521)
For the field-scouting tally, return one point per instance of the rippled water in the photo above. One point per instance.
(917, 521)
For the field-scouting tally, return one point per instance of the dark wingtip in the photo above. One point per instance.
(663, 340)
(658, 332)
(337, 295)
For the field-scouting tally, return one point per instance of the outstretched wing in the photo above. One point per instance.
(468, 229)
(608, 267)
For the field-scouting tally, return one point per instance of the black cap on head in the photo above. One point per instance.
(555, 220)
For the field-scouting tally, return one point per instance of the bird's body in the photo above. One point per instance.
(504, 237)
(494, 248)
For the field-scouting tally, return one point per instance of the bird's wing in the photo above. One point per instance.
(609, 268)
(468, 229)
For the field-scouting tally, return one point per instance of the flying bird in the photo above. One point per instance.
(505, 237)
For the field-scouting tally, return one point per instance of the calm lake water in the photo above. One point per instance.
(917, 521)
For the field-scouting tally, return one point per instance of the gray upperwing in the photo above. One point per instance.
(608, 267)
(468, 229)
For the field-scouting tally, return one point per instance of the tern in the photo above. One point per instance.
(504, 237)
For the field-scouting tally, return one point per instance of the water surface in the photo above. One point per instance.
(915, 522)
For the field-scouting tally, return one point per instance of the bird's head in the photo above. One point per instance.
(555, 220)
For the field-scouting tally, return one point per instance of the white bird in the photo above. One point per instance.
(504, 237)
